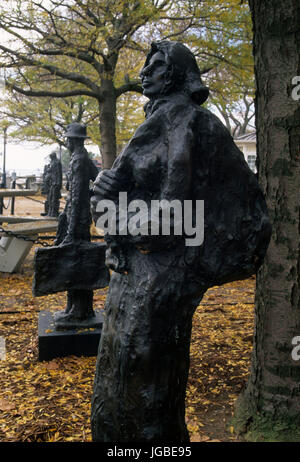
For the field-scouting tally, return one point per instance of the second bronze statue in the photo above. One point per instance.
(182, 152)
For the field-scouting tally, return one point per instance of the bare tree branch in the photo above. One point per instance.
(45, 93)
(129, 86)
(25, 61)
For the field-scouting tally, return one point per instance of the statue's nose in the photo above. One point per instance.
(144, 73)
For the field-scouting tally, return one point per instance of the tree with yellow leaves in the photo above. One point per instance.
(94, 49)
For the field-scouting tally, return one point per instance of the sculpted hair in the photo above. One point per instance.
(183, 71)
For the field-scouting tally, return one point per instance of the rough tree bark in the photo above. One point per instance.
(107, 115)
(270, 405)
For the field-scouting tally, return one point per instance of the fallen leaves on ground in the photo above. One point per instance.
(220, 354)
(50, 400)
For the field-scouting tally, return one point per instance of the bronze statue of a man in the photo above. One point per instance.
(45, 189)
(74, 263)
(54, 179)
(75, 222)
(76, 217)
(183, 153)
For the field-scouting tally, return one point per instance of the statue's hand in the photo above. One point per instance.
(107, 185)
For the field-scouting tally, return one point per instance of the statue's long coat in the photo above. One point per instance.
(75, 220)
(184, 152)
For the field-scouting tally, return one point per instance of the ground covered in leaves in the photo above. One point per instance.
(49, 401)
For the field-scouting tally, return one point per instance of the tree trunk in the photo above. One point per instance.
(107, 111)
(270, 406)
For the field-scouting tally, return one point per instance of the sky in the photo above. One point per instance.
(25, 158)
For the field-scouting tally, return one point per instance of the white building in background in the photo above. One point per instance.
(247, 144)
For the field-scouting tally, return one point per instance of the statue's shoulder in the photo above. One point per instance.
(180, 107)
(211, 122)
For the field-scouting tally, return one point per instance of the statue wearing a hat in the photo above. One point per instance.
(75, 220)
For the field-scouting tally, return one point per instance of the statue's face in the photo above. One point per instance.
(154, 75)
(70, 144)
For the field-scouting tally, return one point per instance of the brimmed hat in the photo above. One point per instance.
(76, 130)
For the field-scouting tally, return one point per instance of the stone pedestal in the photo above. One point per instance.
(59, 343)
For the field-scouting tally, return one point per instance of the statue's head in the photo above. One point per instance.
(171, 67)
(76, 134)
(53, 155)
(76, 130)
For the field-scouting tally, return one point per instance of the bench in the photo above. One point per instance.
(17, 192)
(13, 250)
(20, 219)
